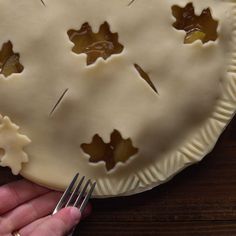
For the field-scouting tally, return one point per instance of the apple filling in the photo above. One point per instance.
(117, 150)
(9, 60)
(102, 44)
(202, 27)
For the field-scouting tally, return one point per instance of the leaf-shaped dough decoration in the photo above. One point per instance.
(9, 60)
(117, 150)
(102, 44)
(202, 27)
(11, 146)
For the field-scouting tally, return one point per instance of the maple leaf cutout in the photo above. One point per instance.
(118, 150)
(102, 44)
(11, 146)
(202, 27)
(9, 61)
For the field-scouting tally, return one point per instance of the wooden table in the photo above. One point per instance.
(199, 201)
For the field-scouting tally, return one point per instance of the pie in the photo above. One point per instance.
(127, 93)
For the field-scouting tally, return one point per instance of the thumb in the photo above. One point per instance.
(59, 224)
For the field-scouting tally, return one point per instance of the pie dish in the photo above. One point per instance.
(127, 93)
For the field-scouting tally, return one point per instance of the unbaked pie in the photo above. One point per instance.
(127, 93)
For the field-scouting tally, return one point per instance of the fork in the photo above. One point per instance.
(76, 198)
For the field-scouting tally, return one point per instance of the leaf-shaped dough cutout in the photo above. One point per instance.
(102, 44)
(9, 60)
(117, 150)
(202, 27)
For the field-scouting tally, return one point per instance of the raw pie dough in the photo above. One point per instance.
(170, 128)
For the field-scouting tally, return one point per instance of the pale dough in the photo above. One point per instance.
(110, 94)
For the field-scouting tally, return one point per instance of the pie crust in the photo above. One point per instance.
(170, 99)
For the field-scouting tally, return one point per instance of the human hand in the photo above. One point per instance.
(27, 208)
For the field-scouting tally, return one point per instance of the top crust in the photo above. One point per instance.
(171, 129)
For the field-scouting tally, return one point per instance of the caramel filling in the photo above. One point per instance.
(102, 44)
(9, 61)
(202, 27)
(117, 150)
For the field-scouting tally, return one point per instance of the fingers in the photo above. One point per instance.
(19, 195)
(27, 230)
(58, 224)
(18, 192)
(30, 211)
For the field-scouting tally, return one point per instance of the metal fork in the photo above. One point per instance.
(76, 198)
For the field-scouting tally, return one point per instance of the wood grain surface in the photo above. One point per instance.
(199, 201)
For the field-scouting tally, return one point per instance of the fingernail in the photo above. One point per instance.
(75, 214)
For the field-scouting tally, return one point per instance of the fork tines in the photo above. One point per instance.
(79, 197)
